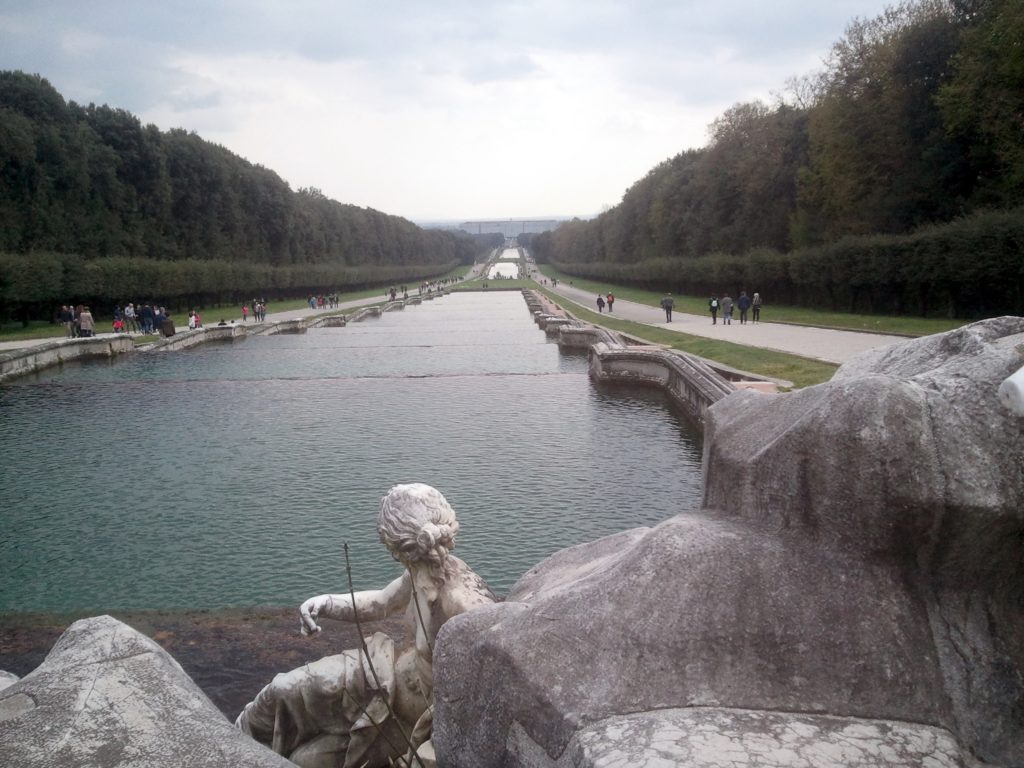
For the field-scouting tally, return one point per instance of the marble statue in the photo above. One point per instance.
(339, 711)
(1011, 392)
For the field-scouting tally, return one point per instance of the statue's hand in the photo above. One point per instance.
(310, 610)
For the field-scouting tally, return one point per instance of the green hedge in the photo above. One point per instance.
(33, 285)
(971, 267)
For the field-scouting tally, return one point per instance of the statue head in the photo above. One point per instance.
(417, 525)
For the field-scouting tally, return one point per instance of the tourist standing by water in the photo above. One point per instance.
(86, 323)
(147, 318)
(713, 309)
(755, 306)
(727, 309)
(600, 303)
(668, 303)
(245, 312)
(130, 323)
(67, 319)
(743, 303)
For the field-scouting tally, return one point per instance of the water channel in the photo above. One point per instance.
(231, 474)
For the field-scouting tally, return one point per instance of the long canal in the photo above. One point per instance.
(232, 474)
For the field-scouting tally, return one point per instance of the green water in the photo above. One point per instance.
(231, 474)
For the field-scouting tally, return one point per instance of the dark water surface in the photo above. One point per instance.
(231, 474)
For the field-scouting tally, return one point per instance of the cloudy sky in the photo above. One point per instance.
(450, 109)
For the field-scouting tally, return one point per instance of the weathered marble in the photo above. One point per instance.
(7, 679)
(857, 556)
(701, 737)
(370, 706)
(1011, 392)
(109, 696)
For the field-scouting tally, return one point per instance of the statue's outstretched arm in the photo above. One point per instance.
(371, 604)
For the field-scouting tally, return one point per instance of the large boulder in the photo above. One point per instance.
(858, 557)
(107, 695)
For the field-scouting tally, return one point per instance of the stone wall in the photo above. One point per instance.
(690, 383)
(22, 362)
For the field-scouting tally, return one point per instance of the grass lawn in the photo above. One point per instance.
(802, 371)
(698, 305)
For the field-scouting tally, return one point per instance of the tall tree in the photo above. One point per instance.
(880, 160)
(983, 103)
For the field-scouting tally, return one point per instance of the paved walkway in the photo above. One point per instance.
(215, 315)
(818, 343)
(826, 344)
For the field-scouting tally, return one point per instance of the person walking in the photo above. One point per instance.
(611, 301)
(755, 306)
(713, 309)
(743, 303)
(667, 304)
(600, 303)
(727, 309)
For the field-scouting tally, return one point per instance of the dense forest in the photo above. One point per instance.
(892, 181)
(96, 207)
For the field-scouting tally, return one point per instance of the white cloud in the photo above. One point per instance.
(443, 110)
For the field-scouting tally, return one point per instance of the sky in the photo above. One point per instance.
(441, 110)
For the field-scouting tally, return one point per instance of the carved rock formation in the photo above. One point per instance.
(107, 695)
(858, 557)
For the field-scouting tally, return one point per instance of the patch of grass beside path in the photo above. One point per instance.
(802, 371)
(698, 305)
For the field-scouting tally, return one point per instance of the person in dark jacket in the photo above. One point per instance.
(743, 304)
(667, 304)
(600, 303)
(713, 309)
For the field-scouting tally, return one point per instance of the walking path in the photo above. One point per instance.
(819, 343)
(291, 314)
(826, 344)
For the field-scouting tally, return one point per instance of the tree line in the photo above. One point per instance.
(891, 181)
(94, 205)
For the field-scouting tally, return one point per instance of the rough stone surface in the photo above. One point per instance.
(724, 738)
(109, 696)
(858, 556)
(7, 679)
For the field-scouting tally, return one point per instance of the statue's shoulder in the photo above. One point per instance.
(470, 586)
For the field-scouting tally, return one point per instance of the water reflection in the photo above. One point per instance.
(232, 474)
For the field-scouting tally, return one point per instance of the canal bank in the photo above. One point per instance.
(28, 357)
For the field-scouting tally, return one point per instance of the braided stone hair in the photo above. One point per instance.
(416, 523)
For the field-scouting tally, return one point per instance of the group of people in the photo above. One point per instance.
(77, 320)
(258, 311)
(145, 319)
(323, 302)
(602, 302)
(745, 304)
(726, 305)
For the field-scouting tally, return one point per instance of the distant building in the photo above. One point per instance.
(510, 227)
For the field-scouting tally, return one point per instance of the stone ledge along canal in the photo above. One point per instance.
(229, 475)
